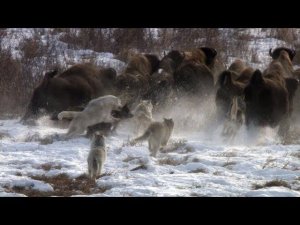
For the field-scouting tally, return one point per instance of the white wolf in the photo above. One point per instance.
(97, 156)
(142, 115)
(157, 134)
(98, 110)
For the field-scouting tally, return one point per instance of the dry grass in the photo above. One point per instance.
(32, 137)
(130, 158)
(269, 162)
(49, 166)
(175, 145)
(196, 160)
(199, 170)
(62, 184)
(29, 192)
(172, 161)
(217, 173)
(19, 174)
(129, 142)
(140, 167)
(296, 154)
(229, 163)
(193, 194)
(228, 154)
(189, 149)
(272, 183)
(49, 139)
(4, 135)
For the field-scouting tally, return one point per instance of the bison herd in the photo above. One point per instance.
(242, 94)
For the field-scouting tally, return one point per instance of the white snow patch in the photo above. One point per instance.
(273, 192)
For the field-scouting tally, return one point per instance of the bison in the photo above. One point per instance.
(284, 56)
(70, 89)
(269, 97)
(134, 82)
(192, 70)
(231, 84)
(194, 78)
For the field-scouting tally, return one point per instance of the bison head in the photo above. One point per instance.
(53, 95)
(176, 56)
(210, 54)
(154, 62)
(275, 54)
(38, 101)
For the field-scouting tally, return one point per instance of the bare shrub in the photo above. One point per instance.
(286, 34)
(62, 184)
(11, 83)
(173, 161)
(272, 183)
(199, 170)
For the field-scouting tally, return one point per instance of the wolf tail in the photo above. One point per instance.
(92, 169)
(67, 115)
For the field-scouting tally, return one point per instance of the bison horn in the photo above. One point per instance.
(293, 52)
(270, 52)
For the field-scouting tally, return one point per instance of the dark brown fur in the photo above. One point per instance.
(104, 128)
(194, 78)
(231, 83)
(269, 98)
(134, 82)
(192, 70)
(74, 87)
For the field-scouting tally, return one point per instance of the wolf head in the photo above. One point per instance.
(98, 140)
(147, 104)
(122, 113)
(169, 122)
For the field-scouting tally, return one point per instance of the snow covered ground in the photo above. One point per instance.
(193, 164)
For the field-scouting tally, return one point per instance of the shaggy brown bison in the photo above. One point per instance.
(192, 70)
(161, 81)
(268, 99)
(276, 53)
(284, 56)
(194, 78)
(134, 82)
(70, 89)
(269, 95)
(231, 84)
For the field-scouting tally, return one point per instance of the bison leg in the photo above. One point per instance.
(284, 127)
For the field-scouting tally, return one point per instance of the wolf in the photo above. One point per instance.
(97, 156)
(98, 110)
(110, 128)
(234, 121)
(157, 134)
(142, 115)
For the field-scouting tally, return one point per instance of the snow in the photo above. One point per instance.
(209, 168)
(273, 192)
